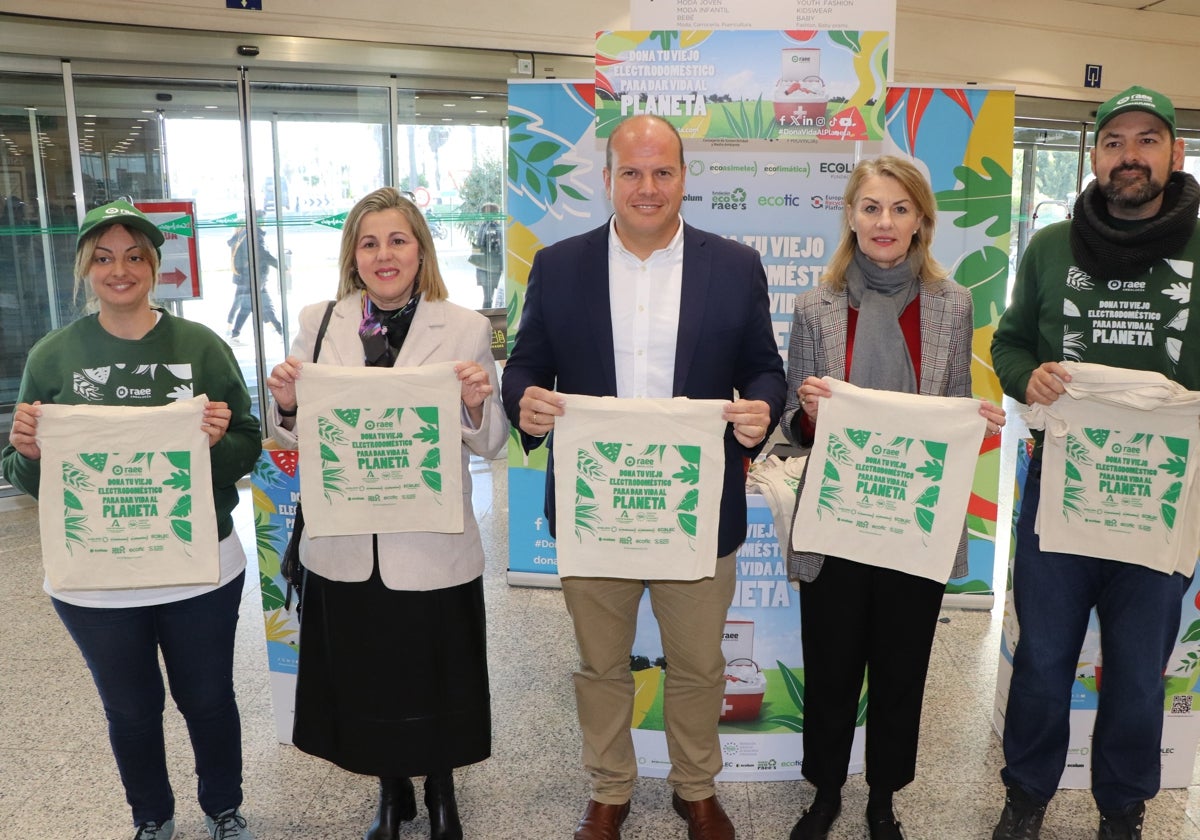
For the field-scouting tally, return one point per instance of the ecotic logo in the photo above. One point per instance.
(734, 199)
(826, 202)
(796, 201)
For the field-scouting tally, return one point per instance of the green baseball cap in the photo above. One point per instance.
(121, 213)
(1137, 98)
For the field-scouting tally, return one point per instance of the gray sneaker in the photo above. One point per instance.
(1022, 817)
(1122, 825)
(164, 830)
(227, 825)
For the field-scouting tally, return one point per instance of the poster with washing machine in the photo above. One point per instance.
(762, 716)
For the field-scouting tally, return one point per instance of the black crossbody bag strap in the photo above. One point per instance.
(293, 571)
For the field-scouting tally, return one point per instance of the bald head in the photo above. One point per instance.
(644, 125)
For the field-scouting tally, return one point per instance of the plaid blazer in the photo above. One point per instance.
(817, 347)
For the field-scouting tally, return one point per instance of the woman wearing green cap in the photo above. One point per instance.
(128, 352)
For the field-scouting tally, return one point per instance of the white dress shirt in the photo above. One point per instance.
(644, 296)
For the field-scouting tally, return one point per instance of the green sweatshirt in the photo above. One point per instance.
(82, 364)
(1058, 313)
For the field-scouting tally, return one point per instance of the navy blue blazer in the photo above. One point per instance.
(725, 342)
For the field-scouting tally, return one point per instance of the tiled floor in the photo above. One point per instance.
(57, 778)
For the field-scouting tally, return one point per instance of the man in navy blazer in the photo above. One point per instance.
(647, 306)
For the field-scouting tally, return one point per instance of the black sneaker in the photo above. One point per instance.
(1122, 825)
(815, 823)
(1022, 817)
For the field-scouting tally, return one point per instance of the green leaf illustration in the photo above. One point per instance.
(328, 456)
(181, 460)
(332, 479)
(795, 688)
(1176, 446)
(1193, 633)
(74, 477)
(349, 416)
(655, 451)
(583, 490)
(95, 460)
(427, 413)
(182, 508)
(1077, 450)
(1174, 466)
(848, 39)
(432, 459)
(900, 443)
(1168, 515)
(329, 431)
(924, 517)
(829, 496)
(688, 474)
(138, 457)
(180, 479)
(935, 448)
(428, 434)
(1098, 436)
(931, 470)
(985, 272)
(787, 721)
(1172, 493)
(585, 464)
(272, 597)
(930, 497)
(689, 501)
(71, 501)
(1073, 499)
(836, 450)
(266, 474)
(1073, 471)
(858, 437)
(983, 196)
(691, 454)
(182, 529)
(687, 523)
(609, 451)
(585, 517)
(831, 471)
(74, 527)
(432, 480)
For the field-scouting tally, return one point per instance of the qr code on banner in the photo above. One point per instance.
(1181, 704)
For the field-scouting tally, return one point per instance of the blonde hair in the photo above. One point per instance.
(429, 280)
(85, 252)
(920, 250)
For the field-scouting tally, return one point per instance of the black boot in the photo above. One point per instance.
(397, 804)
(443, 809)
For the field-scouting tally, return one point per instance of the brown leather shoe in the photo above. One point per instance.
(706, 819)
(602, 821)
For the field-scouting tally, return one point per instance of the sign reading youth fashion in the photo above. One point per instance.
(888, 479)
(179, 269)
(371, 438)
(763, 14)
(137, 512)
(752, 87)
(638, 487)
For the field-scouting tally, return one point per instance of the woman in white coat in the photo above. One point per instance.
(393, 668)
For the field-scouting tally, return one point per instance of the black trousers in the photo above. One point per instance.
(856, 618)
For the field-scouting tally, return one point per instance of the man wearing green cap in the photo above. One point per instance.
(1111, 286)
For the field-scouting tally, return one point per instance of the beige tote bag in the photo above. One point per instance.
(126, 496)
(380, 449)
(638, 487)
(889, 477)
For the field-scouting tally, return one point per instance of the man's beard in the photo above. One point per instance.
(1132, 194)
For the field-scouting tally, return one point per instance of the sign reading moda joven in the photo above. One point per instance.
(746, 86)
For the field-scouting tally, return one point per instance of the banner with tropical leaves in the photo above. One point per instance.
(754, 86)
(275, 488)
(962, 138)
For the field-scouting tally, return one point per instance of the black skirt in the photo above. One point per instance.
(393, 683)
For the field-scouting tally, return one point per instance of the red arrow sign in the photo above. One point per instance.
(175, 277)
